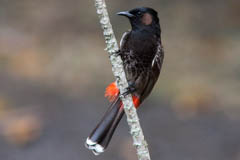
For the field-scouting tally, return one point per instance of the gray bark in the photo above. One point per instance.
(118, 71)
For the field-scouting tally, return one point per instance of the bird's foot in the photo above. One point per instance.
(117, 53)
(130, 89)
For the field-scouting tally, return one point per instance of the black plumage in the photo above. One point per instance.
(142, 52)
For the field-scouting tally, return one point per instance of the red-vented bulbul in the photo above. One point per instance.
(142, 55)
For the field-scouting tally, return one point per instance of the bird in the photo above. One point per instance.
(142, 54)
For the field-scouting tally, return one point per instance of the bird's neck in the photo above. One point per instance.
(146, 32)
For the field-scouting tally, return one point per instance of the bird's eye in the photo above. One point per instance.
(139, 13)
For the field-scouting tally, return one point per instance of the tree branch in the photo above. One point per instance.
(118, 71)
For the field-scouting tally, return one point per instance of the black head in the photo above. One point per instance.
(142, 17)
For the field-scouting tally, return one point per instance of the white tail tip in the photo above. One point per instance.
(96, 148)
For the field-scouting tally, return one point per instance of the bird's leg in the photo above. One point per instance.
(130, 89)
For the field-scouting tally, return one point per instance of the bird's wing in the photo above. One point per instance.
(158, 59)
(154, 74)
(124, 39)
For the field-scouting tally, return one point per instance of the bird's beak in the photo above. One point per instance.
(125, 13)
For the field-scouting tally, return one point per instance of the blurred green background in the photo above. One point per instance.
(53, 72)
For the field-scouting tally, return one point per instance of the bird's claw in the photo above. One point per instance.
(117, 53)
(130, 89)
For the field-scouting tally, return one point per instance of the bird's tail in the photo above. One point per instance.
(102, 134)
